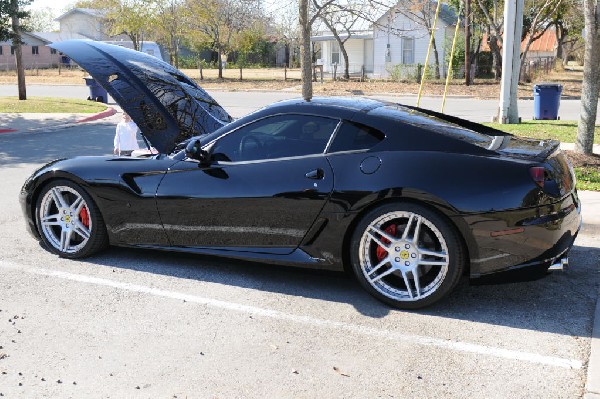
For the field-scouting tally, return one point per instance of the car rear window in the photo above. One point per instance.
(432, 123)
(354, 136)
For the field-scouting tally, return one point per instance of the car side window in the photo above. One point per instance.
(354, 136)
(276, 137)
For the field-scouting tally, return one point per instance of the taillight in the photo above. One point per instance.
(538, 175)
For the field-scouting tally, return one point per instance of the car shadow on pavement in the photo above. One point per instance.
(560, 302)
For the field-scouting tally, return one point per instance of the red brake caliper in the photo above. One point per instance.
(84, 216)
(381, 252)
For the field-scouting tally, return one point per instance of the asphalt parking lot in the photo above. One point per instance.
(140, 323)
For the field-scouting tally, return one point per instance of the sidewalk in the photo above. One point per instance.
(28, 122)
(591, 227)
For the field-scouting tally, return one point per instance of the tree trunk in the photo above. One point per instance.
(18, 51)
(497, 56)
(436, 59)
(346, 63)
(559, 42)
(220, 63)
(305, 53)
(467, 42)
(591, 79)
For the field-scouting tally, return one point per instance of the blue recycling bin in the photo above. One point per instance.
(97, 92)
(546, 100)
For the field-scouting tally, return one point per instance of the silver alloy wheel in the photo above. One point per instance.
(408, 265)
(60, 215)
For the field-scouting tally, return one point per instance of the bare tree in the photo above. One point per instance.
(132, 18)
(568, 22)
(422, 13)
(538, 21)
(218, 24)
(287, 30)
(493, 21)
(168, 26)
(591, 78)
(341, 19)
(41, 20)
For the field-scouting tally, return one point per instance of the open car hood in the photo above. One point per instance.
(167, 106)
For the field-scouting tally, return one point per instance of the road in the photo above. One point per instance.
(139, 323)
(240, 103)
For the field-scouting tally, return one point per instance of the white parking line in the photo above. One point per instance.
(274, 314)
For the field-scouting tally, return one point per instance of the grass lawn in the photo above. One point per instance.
(49, 105)
(587, 167)
(565, 131)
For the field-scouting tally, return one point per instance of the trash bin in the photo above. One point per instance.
(97, 92)
(546, 100)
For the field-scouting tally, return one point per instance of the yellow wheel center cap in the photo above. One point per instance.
(404, 254)
(68, 219)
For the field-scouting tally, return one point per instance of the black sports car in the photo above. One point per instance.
(406, 198)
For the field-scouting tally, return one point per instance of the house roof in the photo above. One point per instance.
(325, 36)
(88, 11)
(52, 37)
(447, 13)
(545, 43)
(364, 28)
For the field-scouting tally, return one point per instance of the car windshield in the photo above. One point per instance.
(432, 123)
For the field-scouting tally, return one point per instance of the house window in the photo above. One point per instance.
(335, 53)
(408, 50)
(35, 50)
(52, 51)
(12, 50)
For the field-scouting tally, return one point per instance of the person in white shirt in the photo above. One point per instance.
(126, 137)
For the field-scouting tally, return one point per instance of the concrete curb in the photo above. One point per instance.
(592, 385)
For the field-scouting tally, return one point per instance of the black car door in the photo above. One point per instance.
(264, 187)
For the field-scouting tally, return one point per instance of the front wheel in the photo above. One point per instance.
(406, 255)
(69, 222)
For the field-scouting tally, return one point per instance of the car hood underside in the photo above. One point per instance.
(167, 106)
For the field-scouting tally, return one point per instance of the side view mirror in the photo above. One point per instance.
(193, 150)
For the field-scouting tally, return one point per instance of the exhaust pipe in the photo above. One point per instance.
(559, 265)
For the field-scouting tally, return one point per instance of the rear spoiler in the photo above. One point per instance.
(478, 127)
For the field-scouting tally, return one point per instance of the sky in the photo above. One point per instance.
(56, 5)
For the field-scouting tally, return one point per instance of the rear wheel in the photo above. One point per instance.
(69, 222)
(406, 255)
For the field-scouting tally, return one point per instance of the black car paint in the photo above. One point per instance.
(160, 202)
(305, 213)
(167, 106)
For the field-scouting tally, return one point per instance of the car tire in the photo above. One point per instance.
(68, 220)
(406, 255)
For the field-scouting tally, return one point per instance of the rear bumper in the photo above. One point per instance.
(525, 237)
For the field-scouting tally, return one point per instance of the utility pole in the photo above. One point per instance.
(467, 42)
(508, 111)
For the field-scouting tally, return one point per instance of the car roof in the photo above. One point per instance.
(353, 104)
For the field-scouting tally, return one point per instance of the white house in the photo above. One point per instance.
(87, 22)
(395, 44)
(359, 48)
